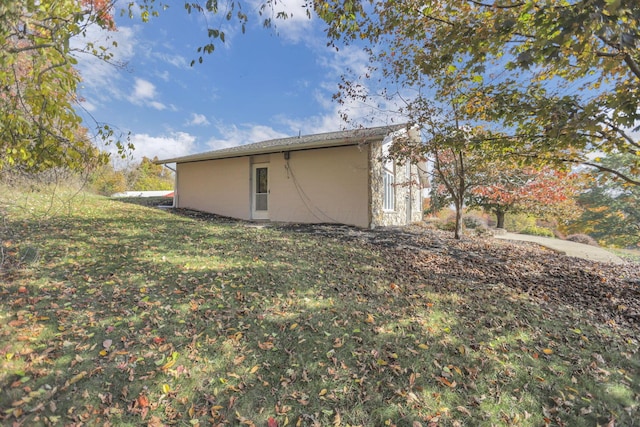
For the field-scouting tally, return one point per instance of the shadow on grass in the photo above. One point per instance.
(136, 314)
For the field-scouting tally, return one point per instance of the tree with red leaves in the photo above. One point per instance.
(504, 187)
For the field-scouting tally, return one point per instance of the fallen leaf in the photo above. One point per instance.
(143, 401)
(267, 345)
(464, 410)
(168, 365)
(155, 421)
(337, 420)
(75, 379)
(446, 382)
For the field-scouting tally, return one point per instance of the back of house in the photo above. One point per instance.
(338, 177)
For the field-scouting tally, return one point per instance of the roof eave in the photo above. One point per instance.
(276, 149)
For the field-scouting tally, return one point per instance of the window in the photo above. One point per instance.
(262, 189)
(389, 191)
(388, 179)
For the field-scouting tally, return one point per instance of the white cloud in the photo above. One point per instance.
(247, 133)
(329, 122)
(88, 106)
(157, 105)
(198, 120)
(174, 144)
(164, 75)
(144, 93)
(103, 81)
(353, 62)
(296, 27)
(177, 61)
(144, 89)
(352, 58)
(100, 79)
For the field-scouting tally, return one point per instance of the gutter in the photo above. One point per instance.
(269, 150)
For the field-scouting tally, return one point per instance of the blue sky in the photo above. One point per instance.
(259, 85)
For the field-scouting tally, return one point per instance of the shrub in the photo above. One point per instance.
(446, 225)
(106, 181)
(534, 230)
(473, 222)
(477, 224)
(582, 238)
(515, 222)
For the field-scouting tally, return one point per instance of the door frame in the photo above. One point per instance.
(256, 214)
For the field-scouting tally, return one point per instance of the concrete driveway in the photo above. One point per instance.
(566, 247)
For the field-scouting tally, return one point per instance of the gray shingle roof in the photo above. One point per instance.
(304, 142)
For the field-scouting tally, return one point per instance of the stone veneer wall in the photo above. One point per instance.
(407, 188)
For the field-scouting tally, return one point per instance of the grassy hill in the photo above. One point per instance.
(113, 313)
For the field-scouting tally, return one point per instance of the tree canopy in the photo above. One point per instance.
(39, 127)
(143, 176)
(558, 79)
(610, 211)
(504, 187)
(561, 78)
(149, 176)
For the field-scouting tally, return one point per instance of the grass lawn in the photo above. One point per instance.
(113, 313)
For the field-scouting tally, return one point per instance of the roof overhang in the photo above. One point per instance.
(308, 142)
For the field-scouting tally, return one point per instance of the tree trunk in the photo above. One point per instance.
(457, 231)
(500, 219)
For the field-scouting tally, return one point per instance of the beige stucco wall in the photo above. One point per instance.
(328, 185)
(216, 186)
(317, 186)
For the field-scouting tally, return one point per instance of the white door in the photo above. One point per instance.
(260, 191)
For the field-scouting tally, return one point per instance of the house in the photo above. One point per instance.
(337, 177)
